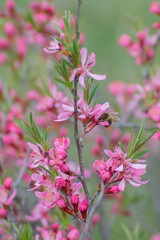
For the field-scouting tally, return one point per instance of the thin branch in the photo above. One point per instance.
(130, 125)
(77, 18)
(12, 220)
(79, 143)
(20, 176)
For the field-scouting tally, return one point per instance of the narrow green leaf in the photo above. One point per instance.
(121, 146)
(92, 93)
(130, 143)
(67, 27)
(127, 231)
(67, 63)
(31, 118)
(96, 101)
(46, 170)
(147, 138)
(140, 133)
(58, 28)
(62, 82)
(142, 153)
(65, 70)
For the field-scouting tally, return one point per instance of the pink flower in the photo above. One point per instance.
(73, 234)
(155, 7)
(154, 113)
(4, 195)
(155, 237)
(49, 197)
(125, 40)
(84, 70)
(55, 46)
(38, 155)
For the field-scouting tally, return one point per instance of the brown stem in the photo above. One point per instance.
(77, 18)
(79, 143)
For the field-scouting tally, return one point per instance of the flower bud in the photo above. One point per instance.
(10, 5)
(83, 207)
(61, 204)
(55, 227)
(9, 29)
(75, 202)
(3, 213)
(112, 190)
(125, 40)
(73, 234)
(95, 219)
(61, 183)
(65, 169)
(105, 176)
(8, 183)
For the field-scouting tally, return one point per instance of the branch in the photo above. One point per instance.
(130, 125)
(77, 18)
(20, 176)
(78, 142)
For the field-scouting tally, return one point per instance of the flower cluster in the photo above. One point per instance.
(143, 49)
(124, 168)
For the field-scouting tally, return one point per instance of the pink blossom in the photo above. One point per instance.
(4, 196)
(55, 46)
(49, 197)
(38, 155)
(125, 40)
(9, 29)
(155, 237)
(155, 7)
(84, 70)
(154, 113)
(73, 234)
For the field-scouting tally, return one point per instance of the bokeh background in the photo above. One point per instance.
(102, 22)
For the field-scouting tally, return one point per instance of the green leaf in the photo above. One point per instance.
(67, 84)
(31, 118)
(140, 133)
(147, 138)
(127, 231)
(58, 28)
(50, 173)
(92, 93)
(65, 70)
(67, 27)
(96, 101)
(142, 153)
(121, 146)
(130, 143)
(67, 63)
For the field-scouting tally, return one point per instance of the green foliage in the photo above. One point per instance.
(24, 232)
(92, 93)
(139, 142)
(32, 131)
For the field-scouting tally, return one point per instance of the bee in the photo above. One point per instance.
(109, 117)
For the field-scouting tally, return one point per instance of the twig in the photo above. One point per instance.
(130, 125)
(77, 18)
(92, 210)
(20, 176)
(12, 220)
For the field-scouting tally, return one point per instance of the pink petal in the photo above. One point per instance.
(33, 147)
(74, 74)
(81, 79)
(83, 56)
(105, 123)
(121, 185)
(120, 168)
(134, 184)
(49, 51)
(91, 60)
(96, 76)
